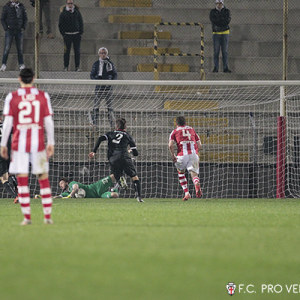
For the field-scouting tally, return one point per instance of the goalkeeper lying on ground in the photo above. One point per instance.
(99, 189)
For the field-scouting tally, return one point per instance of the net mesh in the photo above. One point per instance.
(237, 125)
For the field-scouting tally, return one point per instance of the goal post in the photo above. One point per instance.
(237, 122)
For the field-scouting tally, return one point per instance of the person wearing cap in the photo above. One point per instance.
(103, 69)
(220, 18)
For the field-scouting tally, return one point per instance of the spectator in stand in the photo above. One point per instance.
(71, 28)
(44, 7)
(14, 21)
(220, 19)
(103, 69)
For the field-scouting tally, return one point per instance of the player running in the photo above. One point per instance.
(188, 143)
(118, 156)
(28, 110)
(97, 189)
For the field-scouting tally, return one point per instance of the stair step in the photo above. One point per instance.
(190, 105)
(164, 68)
(207, 122)
(134, 19)
(133, 35)
(150, 51)
(219, 139)
(125, 3)
(224, 157)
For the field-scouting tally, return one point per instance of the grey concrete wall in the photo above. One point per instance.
(255, 47)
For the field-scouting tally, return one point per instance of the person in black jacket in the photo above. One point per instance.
(45, 8)
(103, 69)
(14, 21)
(118, 154)
(220, 19)
(71, 28)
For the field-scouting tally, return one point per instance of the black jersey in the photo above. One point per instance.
(118, 142)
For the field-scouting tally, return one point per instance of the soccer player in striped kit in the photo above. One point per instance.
(28, 111)
(188, 143)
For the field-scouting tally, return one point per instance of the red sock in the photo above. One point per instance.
(196, 182)
(24, 196)
(45, 192)
(183, 182)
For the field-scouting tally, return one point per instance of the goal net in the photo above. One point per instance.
(236, 121)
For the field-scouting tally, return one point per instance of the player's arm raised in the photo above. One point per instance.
(99, 141)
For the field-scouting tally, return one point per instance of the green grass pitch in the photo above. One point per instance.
(162, 249)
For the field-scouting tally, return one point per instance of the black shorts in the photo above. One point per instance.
(4, 165)
(119, 165)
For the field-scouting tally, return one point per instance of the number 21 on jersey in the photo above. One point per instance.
(25, 114)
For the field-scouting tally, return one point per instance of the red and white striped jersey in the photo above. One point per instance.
(28, 107)
(186, 139)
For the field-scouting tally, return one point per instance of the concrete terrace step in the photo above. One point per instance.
(255, 15)
(163, 68)
(192, 4)
(239, 65)
(189, 105)
(134, 19)
(245, 49)
(125, 3)
(241, 16)
(239, 32)
(13, 73)
(150, 51)
(143, 35)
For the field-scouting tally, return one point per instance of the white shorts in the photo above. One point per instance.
(19, 163)
(188, 162)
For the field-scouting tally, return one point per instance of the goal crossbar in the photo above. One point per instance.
(162, 82)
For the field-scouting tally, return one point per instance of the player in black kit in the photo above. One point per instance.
(9, 182)
(118, 154)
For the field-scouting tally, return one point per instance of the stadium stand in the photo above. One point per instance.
(255, 41)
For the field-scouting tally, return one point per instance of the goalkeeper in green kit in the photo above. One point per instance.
(98, 189)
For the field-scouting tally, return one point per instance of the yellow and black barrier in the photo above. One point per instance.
(156, 53)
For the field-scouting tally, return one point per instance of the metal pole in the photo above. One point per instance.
(285, 40)
(37, 39)
(281, 120)
(155, 52)
(202, 72)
